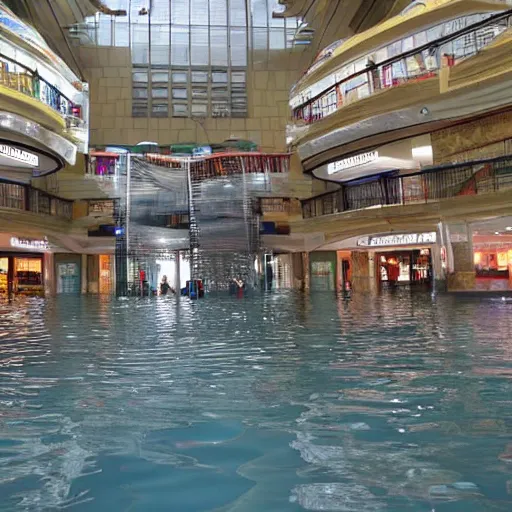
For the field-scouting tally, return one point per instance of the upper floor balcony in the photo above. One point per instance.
(38, 86)
(401, 68)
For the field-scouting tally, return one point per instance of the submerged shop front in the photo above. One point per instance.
(402, 259)
(22, 265)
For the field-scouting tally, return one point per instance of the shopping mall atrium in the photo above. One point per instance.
(182, 176)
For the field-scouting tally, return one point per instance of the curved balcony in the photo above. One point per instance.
(419, 64)
(429, 186)
(21, 197)
(20, 86)
(452, 79)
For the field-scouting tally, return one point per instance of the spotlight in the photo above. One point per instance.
(424, 111)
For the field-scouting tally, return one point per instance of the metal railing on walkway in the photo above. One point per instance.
(19, 77)
(418, 64)
(432, 184)
(18, 196)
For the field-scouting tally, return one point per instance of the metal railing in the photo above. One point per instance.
(29, 82)
(433, 184)
(419, 64)
(23, 197)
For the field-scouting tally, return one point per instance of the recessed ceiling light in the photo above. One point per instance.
(509, 228)
(496, 232)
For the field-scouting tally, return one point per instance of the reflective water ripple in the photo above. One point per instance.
(279, 403)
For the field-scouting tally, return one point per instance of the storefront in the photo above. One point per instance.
(492, 256)
(402, 259)
(22, 266)
(323, 270)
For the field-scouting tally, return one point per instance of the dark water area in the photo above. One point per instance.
(279, 402)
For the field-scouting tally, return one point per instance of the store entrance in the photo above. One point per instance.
(402, 268)
(22, 274)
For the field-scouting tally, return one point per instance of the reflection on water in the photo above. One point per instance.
(274, 403)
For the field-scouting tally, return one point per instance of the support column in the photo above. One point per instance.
(83, 274)
(462, 276)
(177, 279)
(363, 272)
(306, 272)
(49, 274)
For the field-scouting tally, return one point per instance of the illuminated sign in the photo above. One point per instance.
(26, 243)
(19, 155)
(391, 240)
(353, 161)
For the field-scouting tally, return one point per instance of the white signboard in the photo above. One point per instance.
(353, 161)
(392, 240)
(26, 243)
(19, 155)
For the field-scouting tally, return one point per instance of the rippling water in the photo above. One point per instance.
(275, 403)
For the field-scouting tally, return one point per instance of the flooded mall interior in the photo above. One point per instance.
(256, 255)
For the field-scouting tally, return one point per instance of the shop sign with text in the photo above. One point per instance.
(392, 240)
(19, 155)
(27, 243)
(353, 161)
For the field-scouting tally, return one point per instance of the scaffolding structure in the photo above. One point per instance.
(214, 197)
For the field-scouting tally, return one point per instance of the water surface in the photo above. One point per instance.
(275, 403)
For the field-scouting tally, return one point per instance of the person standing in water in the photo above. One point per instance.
(165, 287)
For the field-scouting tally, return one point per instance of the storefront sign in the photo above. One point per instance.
(20, 155)
(353, 161)
(392, 240)
(26, 243)
(103, 207)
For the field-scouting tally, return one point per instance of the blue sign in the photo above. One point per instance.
(202, 150)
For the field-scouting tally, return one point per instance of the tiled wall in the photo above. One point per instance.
(108, 71)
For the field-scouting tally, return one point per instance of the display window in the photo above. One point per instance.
(405, 267)
(28, 274)
(4, 269)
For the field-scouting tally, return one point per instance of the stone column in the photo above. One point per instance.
(49, 274)
(462, 276)
(363, 272)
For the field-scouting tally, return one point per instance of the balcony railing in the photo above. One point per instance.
(26, 198)
(419, 64)
(20, 78)
(433, 184)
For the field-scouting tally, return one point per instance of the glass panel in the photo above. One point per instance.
(159, 110)
(238, 77)
(140, 93)
(219, 46)
(160, 12)
(218, 13)
(220, 77)
(199, 93)
(180, 46)
(180, 12)
(199, 77)
(179, 94)
(238, 46)
(199, 109)
(179, 110)
(140, 76)
(259, 13)
(139, 110)
(200, 48)
(121, 34)
(276, 39)
(105, 31)
(237, 16)
(260, 38)
(199, 12)
(159, 92)
(179, 77)
(160, 76)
